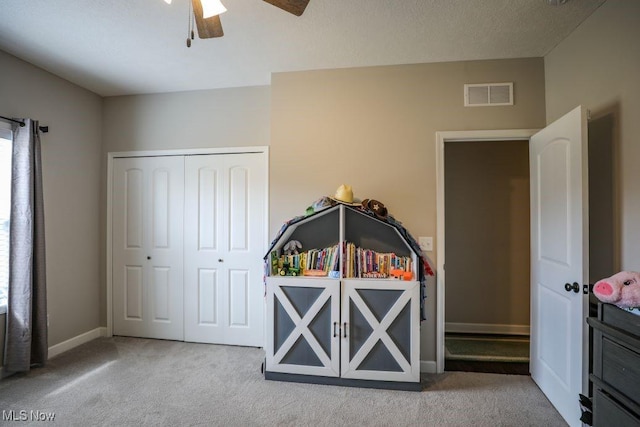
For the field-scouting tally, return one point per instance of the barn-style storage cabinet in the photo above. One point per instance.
(355, 326)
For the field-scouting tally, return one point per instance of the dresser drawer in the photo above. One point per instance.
(618, 318)
(618, 366)
(608, 412)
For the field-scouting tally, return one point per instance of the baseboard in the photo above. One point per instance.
(57, 349)
(76, 341)
(486, 328)
(428, 367)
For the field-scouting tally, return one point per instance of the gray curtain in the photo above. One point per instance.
(26, 338)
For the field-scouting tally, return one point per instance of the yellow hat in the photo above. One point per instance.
(344, 194)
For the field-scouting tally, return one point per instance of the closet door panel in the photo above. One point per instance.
(133, 292)
(128, 250)
(147, 203)
(207, 194)
(238, 208)
(133, 188)
(160, 208)
(238, 299)
(207, 292)
(245, 177)
(204, 261)
(162, 294)
(225, 199)
(165, 256)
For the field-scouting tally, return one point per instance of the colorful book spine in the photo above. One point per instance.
(358, 262)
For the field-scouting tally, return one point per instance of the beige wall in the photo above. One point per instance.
(487, 233)
(237, 117)
(374, 128)
(598, 66)
(71, 171)
(199, 119)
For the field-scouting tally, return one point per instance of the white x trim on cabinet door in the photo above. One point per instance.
(330, 363)
(379, 333)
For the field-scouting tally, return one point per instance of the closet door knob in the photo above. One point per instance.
(220, 260)
(148, 257)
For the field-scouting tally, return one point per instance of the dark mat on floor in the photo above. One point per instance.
(487, 349)
(498, 354)
(512, 368)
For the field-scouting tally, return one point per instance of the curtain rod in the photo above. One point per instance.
(43, 129)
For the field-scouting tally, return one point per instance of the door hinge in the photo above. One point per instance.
(585, 289)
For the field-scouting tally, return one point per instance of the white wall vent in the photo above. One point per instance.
(488, 94)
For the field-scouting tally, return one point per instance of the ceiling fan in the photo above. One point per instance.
(207, 15)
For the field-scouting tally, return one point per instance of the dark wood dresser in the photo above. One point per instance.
(616, 367)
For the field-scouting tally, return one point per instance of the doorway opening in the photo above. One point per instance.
(487, 252)
(483, 275)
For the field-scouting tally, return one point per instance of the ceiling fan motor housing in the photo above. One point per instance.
(212, 27)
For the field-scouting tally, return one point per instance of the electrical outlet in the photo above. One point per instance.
(426, 243)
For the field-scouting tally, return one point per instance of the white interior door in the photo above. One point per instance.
(559, 255)
(225, 235)
(147, 247)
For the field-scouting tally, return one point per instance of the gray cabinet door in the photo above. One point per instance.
(381, 320)
(303, 334)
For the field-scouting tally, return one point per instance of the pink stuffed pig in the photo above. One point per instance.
(621, 289)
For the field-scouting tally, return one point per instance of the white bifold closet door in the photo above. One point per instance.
(225, 202)
(188, 240)
(147, 215)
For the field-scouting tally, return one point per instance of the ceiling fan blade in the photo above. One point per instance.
(296, 7)
(207, 28)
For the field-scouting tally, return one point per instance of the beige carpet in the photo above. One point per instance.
(129, 381)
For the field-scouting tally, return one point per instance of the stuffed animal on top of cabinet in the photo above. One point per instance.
(622, 289)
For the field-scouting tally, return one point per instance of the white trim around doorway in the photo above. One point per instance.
(441, 138)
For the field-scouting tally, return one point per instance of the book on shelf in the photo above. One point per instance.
(358, 262)
(326, 259)
(274, 262)
(367, 263)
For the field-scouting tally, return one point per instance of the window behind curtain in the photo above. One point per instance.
(5, 211)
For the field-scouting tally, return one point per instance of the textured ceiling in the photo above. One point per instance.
(118, 47)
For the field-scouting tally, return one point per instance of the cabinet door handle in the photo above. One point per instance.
(335, 334)
(345, 329)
